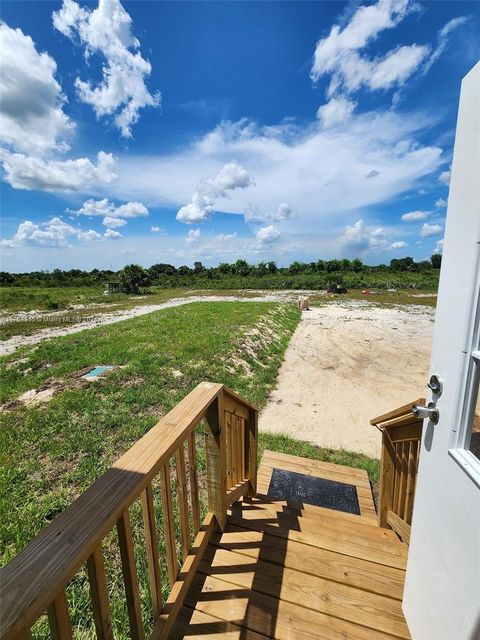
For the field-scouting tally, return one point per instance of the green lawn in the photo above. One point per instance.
(51, 453)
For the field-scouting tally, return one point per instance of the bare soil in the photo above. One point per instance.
(347, 363)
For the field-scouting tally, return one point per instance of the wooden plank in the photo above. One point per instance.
(99, 595)
(399, 525)
(404, 448)
(320, 518)
(168, 524)
(261, 500)
(311, 592)
(395, 413)
(387, 552)
(387, 480)
(29, 582)
(252, 451)
(269, 616)
(234, 407)
(151, 544)
(182, 500)
(59, 618)
(196, 625)
(216, 461)
(316, 561)
(25, 634)
(129, 570)
(407, 433)
(230, 393)
(236, 492)
(401, 421)
(180, 588)
(229, 448)
(411, 477)
(321, 466)
(192, 473)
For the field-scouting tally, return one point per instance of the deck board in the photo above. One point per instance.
(298, 572)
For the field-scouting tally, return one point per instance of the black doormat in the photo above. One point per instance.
(288, 485)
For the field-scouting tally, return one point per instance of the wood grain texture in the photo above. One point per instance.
(59, 618)
(182, 500)
(99, 594)
(215, 442)
(168, 524)
(129, 570)
(151, 543)
(193, 479)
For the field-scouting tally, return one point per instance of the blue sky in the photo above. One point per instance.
(180, 131)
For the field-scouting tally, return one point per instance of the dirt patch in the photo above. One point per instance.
(345, 365)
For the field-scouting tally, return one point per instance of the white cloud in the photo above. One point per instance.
(336, 111)
(29, 172)
(54, 233)
(438, 247)
(323, 172)
(359, 238)
(230, 177)
(428, 230)
(338, 54)
(441, 203)
(113, 223)
(267, 235)
(284, 211)
(193, 236)
(156, 229)
(32, 118)
(106, 31)
(444, 177)
(226, 237)
(412, 216)
(110, 234)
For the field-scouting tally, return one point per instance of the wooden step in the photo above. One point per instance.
(270, 616)
(281, 515)
(316, 561)
(323, 467)
(312, 592)
(387, 552)
(196, 625)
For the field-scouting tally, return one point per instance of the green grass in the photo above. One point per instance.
(51, 453)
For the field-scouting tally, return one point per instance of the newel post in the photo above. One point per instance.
(387, 479)
(216, 451)
(252, 451)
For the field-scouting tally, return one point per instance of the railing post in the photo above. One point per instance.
(252, 451)
(216, 452)
(387, 479)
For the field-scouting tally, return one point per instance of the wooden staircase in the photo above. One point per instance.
(257, 567)
(290, 570)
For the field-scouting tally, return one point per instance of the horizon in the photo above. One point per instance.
(147, 132)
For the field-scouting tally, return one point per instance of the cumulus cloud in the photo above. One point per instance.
(110, 234)
(336, 111)
(339, 55)
(267, 235)
(32, 119)
(156, 229)
(34, 173)
(193, 236)
(413, 216)
(230, 177)
(106, 31)
(444, 177)
(284, 211)
(113, 216)
(438, 247)
(428, 230)
(54, 233)
(441, 203)
(226, 237)
(360, 238)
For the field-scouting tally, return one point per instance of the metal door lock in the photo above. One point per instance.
(430, 411)
(435, 385)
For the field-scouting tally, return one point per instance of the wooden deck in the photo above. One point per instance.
(295, 571)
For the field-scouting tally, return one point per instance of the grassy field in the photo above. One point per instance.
(50, 453)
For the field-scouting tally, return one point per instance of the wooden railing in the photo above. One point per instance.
(35, 581)
(401, 436)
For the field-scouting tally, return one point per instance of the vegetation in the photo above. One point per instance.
(401, 273)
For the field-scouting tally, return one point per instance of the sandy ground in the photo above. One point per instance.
(14, 343)
(347, 363)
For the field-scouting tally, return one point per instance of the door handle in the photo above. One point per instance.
(430, 411)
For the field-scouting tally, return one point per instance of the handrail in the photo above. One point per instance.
(401, 436)
(34, 581)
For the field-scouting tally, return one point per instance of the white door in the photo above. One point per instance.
(442, 588)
